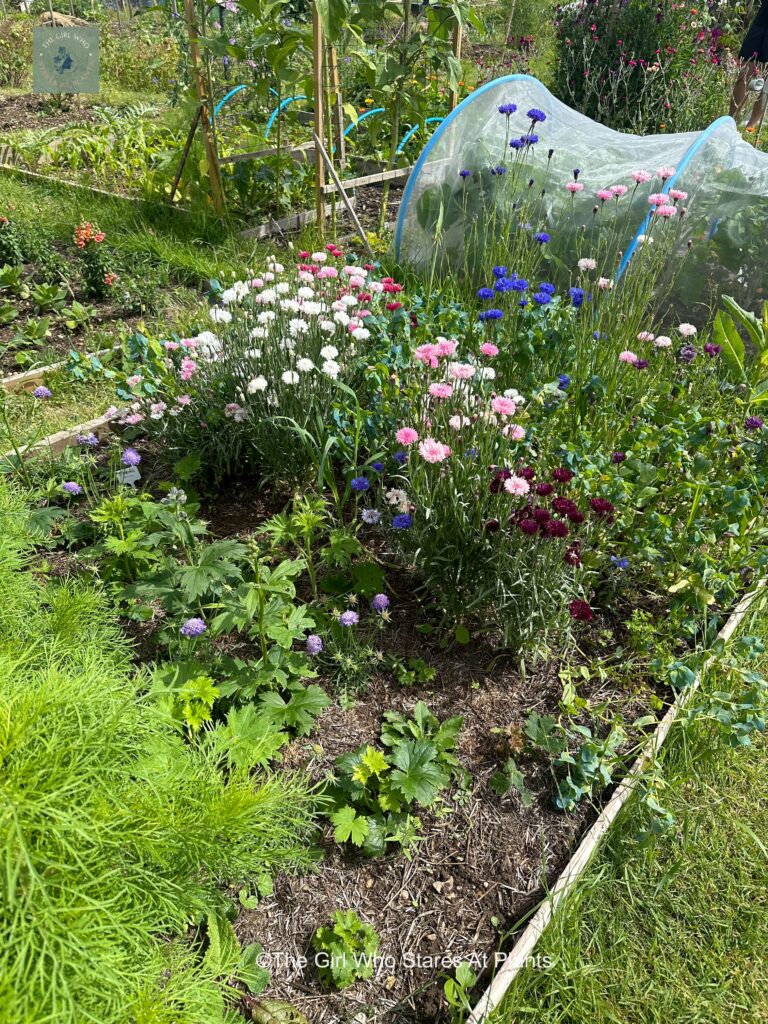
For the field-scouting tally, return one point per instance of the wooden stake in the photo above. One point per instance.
(211, 157)
(344, 197)
(457, 39)
(317, 54)
(337, 109)
(185, 154)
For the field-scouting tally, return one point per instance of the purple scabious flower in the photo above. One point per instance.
(485, 294)
(464, 174)
(536, 115)
(88, 440)
(541, 237)
(371, 516)
(193, 628)
(379, 602)
(360, 483)
(491, 314)
(400, 458)
(349, 618)
(130, 457)
(71, 487)
(42, 392)
(404, 521)
(753, 423)
(314, 644)
(507, 108)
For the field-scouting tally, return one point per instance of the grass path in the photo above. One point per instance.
(678, 935)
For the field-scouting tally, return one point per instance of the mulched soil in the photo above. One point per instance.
(18, 113)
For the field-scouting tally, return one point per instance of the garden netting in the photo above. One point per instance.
(465, 192)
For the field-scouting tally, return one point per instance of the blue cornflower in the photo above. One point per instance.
(537, 115)
(400, 458)
(547, 287)
(529, 140)
(516, 143)
(504, 284)
(360, 483)
(541, 237)
(472, 452)
(563, 382)
(620, 563)
(520, 285)
(523, 303)
(377, 466)
(491, 314)
(577, 296)
(507, 108)
(576, 173)
(500, 169)
(464, 174)
(403, 521)
(598, 336)
(543, 298)
(485, 294)
(499, 271)
(371, 516)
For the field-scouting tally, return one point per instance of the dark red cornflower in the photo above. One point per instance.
(392, 306)
(544, 489)
(618, 457)
(529, 526)
(492, 526)
(575, 516)
(563, 475)
(527, 472)
(564, 506)
(581, 611)
(555, 528)
(601, 506)
(541, 515)
(572, 555)
(369, 266)
(499, 477)
(364, 297)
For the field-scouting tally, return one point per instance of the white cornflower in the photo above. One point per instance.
(486, 373)
(331, 368)
(341, 318)
(267, 316)
(297, 327)
(398, 498)
(587, 264)
(290, 377)
(311, 308)
(319, 257)
(515, 395)
(687, 330)
(266, 297)
(253, 353)
(305, 293)
(329, 352)
(304, 365)
(219, 315)
(327, 326)
(257, 384)
(282, 288)
(258, 333)
(361, 334)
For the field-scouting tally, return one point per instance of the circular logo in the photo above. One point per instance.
(66, 60)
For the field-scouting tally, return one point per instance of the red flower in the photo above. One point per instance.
(541, 515)
(581, 611)
(556, 528)
(529, 526)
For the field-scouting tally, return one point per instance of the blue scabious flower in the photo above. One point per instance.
(541, 237)
(485, 294)
(193, 628)
(89, 440)
(491, 314)
(543, 298)
(71, 487)
(536, 115)
(577, 296)
(516, 143)
(563, 382)
(360, 483)
(547, 287)
(130, 457)
(349, 618)
(403, 521)
(379, 602)
(42, 392)
(520, 285)
(464, 174)
(314, 644)
(620, 563)
(499, 271)
(400, 458)
(507, 108)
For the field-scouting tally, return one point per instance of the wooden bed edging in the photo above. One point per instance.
(56, 443)
(526, 943)
(27, 378)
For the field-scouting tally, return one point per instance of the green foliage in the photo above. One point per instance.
(457, 992)
(345, 950)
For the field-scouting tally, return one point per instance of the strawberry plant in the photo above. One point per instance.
(345, 949)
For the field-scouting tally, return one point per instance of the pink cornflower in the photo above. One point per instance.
(461, 371)
(605, 284)
(503, 406)
(446, 346)
(665, 211)
(641, 177)
(665, 172)
(604, 194)
(433, 451)
(170, 346)
(587, 263)
(676, 193)
(627, 357)
(440, 390)
(517, 485)
(517, 433)
(427, 354)
(407, 436)
(687, 330)
(657, 199)
(574, 187)
(327, 272)
(188, 367)
(645, 336)
(488, 349)
(183, 399)
(619, 190)
(133, 419)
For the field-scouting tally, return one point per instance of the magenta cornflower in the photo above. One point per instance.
(440, 390)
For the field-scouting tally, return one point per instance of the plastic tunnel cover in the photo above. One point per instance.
(446, 220)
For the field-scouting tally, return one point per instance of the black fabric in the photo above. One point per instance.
(756, 44)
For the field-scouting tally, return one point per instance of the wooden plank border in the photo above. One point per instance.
(396, 174)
